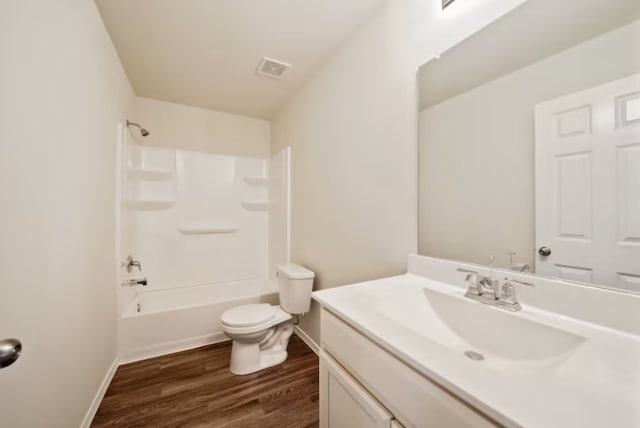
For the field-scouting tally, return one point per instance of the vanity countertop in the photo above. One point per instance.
(595, 384)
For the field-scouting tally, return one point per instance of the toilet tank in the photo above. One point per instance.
(295, 284)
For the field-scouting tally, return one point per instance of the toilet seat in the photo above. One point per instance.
(248, 314)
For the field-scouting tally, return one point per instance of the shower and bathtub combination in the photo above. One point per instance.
(205, 232)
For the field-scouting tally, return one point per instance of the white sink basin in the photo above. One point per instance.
(463, 325)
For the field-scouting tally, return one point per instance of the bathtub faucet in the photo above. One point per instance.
(134, 282)
(129, 263)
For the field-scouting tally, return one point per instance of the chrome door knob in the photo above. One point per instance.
(544, 251)
(10, 350)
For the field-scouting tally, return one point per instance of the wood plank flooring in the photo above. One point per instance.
(195, 389)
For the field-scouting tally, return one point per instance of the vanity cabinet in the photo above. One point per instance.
(344, 402)
(364, 386)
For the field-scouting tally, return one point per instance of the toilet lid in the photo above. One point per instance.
(247, 315)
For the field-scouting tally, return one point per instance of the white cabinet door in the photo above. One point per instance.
(344, 403)
(588, 185)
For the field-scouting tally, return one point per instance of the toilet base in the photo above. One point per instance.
(249, 357)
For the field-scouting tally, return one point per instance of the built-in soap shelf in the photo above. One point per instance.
(150, 188)
(256, 205)
(206, 229)
(150, 204)
(256, 198)
(149, 174)
(256, 181)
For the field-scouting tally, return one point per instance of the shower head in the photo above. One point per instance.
(143, 131)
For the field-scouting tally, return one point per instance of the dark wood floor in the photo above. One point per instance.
(195, 389)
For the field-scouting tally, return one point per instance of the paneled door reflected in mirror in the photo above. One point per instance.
(588, 207)
(529, 144)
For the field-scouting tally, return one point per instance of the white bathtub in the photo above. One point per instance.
(182, 318)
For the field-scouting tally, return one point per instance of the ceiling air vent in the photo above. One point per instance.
(446, 3)
(272, 68)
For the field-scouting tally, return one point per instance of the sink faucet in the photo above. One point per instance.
(486, 289)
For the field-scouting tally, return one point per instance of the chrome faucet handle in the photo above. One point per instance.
(472, 274)
(517, 281)
(508, 298)
(129, 263)
(472, 279)
(475, 281)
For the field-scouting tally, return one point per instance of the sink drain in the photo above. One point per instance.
(475, 356)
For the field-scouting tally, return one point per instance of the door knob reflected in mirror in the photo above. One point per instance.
(10, 350)
(544, 251)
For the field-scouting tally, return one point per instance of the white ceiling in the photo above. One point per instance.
(205, 53)
(533, 31)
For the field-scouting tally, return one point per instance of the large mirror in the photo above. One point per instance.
(530, 144)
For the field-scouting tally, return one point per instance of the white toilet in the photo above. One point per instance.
(261, 332)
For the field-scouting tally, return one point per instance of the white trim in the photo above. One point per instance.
(287, 166)
(307, 339)
(145, 352)
(95, 404)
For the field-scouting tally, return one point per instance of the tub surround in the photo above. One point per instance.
(593, 381)
(191, 226)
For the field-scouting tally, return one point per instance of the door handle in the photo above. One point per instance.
(10, 350)
(544, 251)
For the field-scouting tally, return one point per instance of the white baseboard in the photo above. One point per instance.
(145, 352)
(307, 339)
(93, 409)
(142, 354)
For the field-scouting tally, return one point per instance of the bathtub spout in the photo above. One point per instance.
(134, 282)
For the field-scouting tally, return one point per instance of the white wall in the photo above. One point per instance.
(63, 92)
(191, 128)
(476, 151)
(353, 133)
